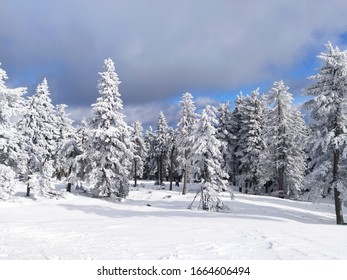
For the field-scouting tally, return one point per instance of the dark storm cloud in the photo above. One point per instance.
(161, 48)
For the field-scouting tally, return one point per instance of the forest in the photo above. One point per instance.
(263, 145)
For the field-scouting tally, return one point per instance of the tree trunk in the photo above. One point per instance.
(336, 162)
(281, 151)
(59, 174)
(135, 172)
(68, 188)
(235, 173)
(28, 191)
(338, 202)
(171, 178)
(160, 169)
(158, 172)
(280, 178)
(171, 166)
(185, 178)
(204, 199)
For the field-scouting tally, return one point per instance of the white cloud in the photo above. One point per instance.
(78, 113)
(205, 100)
(148, 114)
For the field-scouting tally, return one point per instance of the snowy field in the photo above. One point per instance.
(155, 224)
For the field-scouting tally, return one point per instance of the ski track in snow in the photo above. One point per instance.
(155, 224)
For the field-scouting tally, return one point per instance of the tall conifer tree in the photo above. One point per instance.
(108, 149)
(285, 133)
(328, 141)
(12, 158)
(39, 131)
(162, 143)
(140, 151)
(207, 161)
(251, 143)
(185, 137)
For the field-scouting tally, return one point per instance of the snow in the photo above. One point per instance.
(155, 223)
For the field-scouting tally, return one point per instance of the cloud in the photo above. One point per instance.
(161, 48)
(148, 113)
(79, 113)
(202, 101)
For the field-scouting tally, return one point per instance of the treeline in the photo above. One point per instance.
(262, 145)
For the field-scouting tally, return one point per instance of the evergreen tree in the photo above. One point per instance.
(65, 133)
(12, 158)
(173, 161)
(76, 154)
(108, 150)
(207, 159)
(39, 132)
(225, 134)
(7, 182)
(69, 152)
(185, 137)
(69, 147)
(235, 128)
(140, 151)
(327, 143)
(162, 148)
(285, 133)
(251, 143)
(11, 99)
(150, 167)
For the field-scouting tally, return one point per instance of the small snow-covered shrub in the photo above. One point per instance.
(209, 199)
(41, 186)
(7, 182)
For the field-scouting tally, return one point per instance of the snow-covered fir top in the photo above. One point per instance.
(11, 100)
(188, 117)
(163, 136)
(107, 107)
(186, 128)
(39, 119)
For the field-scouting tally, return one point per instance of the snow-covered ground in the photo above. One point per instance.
(156, 224)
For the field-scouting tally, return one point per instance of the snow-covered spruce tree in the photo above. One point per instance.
(69, 147)
(251, 144)
(11, 99)
(109, 149)
(327, 143)
(81, 165)
(162, 143)
(7, 182)
(140, 151)
(65, 133)
(69, 152)
(207, 161)
(39, 132)
(235, 128)
(225, 134)
(150, 167)
(12, 158)
(173, 161)
(185, 137)
(285, 133)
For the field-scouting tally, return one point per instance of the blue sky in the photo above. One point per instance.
(163, 48)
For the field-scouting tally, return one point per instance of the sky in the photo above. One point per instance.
(162, 49)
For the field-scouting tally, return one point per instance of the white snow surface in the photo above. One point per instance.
(155, 223)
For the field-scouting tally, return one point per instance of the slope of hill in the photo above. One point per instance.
(156, 224)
